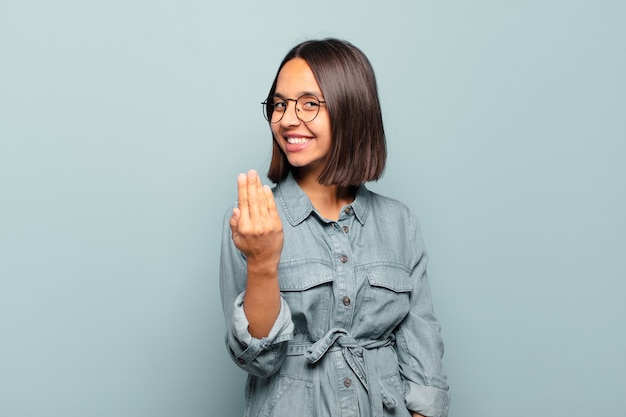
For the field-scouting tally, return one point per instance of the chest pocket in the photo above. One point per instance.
(386, 297)
(307, 288)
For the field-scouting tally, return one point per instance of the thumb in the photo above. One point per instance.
(234, 221)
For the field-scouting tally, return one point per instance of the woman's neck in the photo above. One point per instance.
(328, 200)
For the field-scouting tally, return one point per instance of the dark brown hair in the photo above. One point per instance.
(346, 78)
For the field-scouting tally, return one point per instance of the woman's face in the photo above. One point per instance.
(304, 144)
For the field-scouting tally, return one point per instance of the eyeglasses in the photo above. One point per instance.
(307, 107)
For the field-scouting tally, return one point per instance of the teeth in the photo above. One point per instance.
(297, 140)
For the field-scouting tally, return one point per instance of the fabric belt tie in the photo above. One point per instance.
(356, 356)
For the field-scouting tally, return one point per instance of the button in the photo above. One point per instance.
(347, 210)
(345, 229)
(347, 382)
(343, 259)
(241, 361)
(346, 301)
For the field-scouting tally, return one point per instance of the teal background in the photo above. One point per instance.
(123, 125)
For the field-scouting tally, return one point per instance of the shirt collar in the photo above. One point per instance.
(297, 205)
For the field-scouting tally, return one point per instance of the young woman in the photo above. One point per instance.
(323, 282)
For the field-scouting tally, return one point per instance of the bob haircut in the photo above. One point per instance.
(358, 148)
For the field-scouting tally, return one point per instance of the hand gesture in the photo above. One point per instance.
(256, 227)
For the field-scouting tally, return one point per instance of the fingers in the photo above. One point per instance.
(256, 198)
(269, 198)
(242, 194)
(255, 224)
(252, 197)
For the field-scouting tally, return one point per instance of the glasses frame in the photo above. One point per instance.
(267, 105)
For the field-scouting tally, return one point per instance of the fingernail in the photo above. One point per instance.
(241, 177)
(252, 173)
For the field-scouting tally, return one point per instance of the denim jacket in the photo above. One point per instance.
(356, 334)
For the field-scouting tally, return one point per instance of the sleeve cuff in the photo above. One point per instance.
(281, 331)
(428, 401)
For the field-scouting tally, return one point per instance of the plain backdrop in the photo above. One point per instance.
(123, 125)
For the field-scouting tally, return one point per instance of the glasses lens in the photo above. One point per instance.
(273, 109)
(267, 109)
(307, 108)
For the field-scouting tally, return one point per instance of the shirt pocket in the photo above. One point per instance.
(307, 288)
(386, 298)
(279, 396)
(392, 391)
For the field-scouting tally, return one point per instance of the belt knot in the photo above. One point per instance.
(356, 357)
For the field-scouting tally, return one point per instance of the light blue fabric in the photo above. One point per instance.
(356, 335)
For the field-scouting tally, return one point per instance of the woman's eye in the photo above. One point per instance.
(310, 104)
(280, 105)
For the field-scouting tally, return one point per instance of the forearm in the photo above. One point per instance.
(261, 302)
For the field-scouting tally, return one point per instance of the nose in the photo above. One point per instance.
(290, 118)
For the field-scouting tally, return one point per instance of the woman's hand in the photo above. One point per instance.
(258, 233)
(256, 227)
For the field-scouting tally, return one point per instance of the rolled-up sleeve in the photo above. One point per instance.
(419, 342)
(261, 357)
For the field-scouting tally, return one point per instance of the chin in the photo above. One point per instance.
(298, 163)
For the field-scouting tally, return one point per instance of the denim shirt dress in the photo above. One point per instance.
(356, 334)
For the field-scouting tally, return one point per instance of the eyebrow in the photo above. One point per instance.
(303, 93)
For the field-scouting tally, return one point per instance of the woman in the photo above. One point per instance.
(323, 283)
